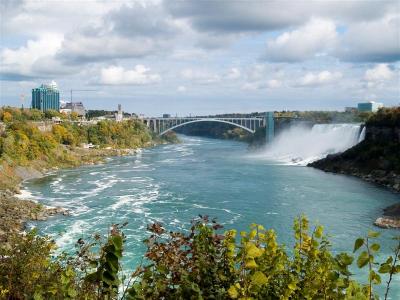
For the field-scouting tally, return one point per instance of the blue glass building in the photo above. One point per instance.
(369, 106)
(46, 97)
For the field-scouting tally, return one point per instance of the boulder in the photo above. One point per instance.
(387, 222)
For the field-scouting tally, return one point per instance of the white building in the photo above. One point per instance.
(76, 107)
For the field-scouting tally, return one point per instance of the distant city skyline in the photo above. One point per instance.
(202, 57)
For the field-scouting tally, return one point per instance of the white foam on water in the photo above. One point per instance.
(101, 185)
(232, 220)
(300, 145)
(26, 195)
(72, 233)
(135, 202)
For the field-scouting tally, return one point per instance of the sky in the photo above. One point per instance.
(202, 57)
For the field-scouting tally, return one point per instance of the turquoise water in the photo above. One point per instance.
(174, 183)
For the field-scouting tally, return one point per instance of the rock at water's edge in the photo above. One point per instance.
(387, 222)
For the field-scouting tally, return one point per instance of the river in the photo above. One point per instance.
(174, 183)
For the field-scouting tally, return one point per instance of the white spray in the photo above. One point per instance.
(301, 145)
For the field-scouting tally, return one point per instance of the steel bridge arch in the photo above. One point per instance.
(207, 120)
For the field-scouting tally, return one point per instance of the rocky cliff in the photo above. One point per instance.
(376, 159)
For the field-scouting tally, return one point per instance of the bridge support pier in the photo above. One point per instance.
(155, 125)
(269, 126)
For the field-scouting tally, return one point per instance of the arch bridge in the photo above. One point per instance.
(161, 126)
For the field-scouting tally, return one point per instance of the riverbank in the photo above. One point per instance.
(376, 160)
(16, 211)
(29, 153)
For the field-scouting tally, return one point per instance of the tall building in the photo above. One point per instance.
(46, 97)
(370, 106)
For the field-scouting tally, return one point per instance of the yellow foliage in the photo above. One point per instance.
(233, 293)
(7, 117)
(252, 251)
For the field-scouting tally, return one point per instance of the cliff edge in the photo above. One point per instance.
(376, 159)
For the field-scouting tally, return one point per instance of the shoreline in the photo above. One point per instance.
(16, 210)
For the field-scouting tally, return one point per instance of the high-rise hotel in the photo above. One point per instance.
(46, 97)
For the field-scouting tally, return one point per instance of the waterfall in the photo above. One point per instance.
(301, 145)
(362, 135)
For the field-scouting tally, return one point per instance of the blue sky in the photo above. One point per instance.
(203, 57)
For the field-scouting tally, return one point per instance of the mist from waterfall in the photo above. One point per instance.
(301, 145)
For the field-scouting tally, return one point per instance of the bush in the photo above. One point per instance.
(200, 264)
(389, 117)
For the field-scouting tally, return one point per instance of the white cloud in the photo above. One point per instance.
(234, 73)
(273, 83)
(217, 44)
(258, 85)
(376, 41)
(315, 37)
(34, 59)
(35, 18)
(379, 72)
(263, 76)
(130, 31)
(246, 16)
(181, 89)
(200, 76)
(116, 75)
(317, 79)
(378, 75)
(78, 48)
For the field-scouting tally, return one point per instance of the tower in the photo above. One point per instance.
(46, 97)
(269, 126)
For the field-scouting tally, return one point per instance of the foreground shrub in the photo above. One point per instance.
(198, 264)
(206, 265)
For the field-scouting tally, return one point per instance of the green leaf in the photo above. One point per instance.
(70, 272)
(346, 259)
(252, 250)
(358, 243)
(117, 241)
(251, 264)
(374, 277)
(292, 286)
(252, 234)
(37, 296)
(259, 278)
(389, 260)
(112, 259)
(92, 277)
(233, 292)
(109, 278)
(375, 247)
(72, 292)
(362, 259)
(373, 234)
(384, 268)
(132, 294)
(318, 232)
